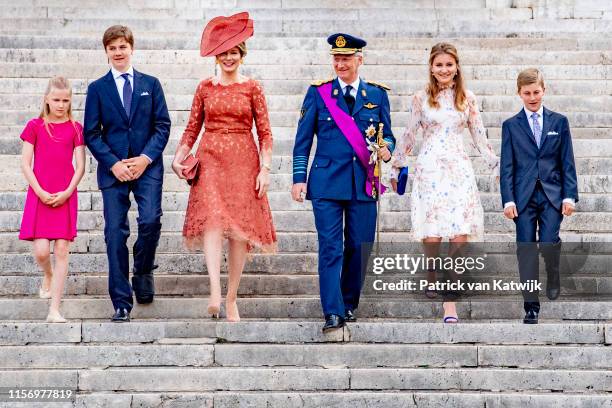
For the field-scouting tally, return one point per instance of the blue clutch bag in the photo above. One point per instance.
(402, 180)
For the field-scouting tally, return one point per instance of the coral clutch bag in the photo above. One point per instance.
(193, 165)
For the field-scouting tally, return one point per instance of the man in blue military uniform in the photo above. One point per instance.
(344, 113)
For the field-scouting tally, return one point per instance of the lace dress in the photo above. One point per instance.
(445, 201)
(224, 195)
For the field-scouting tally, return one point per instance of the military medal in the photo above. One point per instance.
(370, 131)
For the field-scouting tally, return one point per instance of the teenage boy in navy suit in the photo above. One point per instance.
(538, 185)
(126, 129)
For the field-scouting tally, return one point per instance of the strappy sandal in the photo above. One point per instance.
(430, 293)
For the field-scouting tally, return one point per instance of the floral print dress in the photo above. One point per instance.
(445, 201)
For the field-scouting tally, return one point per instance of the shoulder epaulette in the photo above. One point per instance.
(380, 85)
(320, 82)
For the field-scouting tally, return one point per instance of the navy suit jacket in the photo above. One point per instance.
(522, 163)
(111, 136)
(335, 167)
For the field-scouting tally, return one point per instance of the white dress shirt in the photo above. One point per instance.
(355, 86)
(540, 113)
(120, 82)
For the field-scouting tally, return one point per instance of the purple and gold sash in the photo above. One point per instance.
(353, 135)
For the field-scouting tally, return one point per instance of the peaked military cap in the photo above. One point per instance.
(345, 44)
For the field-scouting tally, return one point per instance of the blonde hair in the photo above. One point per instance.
(529, 76)
(59, 83)
(243, 49)
(433, 89)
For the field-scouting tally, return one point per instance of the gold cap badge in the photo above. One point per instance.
(340, 41)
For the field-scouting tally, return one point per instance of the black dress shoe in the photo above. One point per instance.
(144, 288)
(332, 322)
(349, 316)
(143, 300)
(121, 316)
(553, 293)
(553, 287)
(531, 317)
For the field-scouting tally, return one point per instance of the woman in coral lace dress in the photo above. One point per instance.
(228, 198)
(445, 202)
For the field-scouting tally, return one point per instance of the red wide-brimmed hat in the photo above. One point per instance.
(224, 33)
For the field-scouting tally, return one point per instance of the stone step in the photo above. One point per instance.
(310, 379)
(356, 399)
(296, 88)
(286, 103)
(280, 199)
(284, 134)
(206, 4)
(106, 355)
(286, 285)
(590, 180)
(329, 13)
(284, 164)
(287, 119)
(284, 141)
(469, 58)
(389, 355)
(265, 72)
(461, 24)
(155, 41)
(92, 241)
(407, 306)
(183, 262)
(306, 356)
(284, 138)
(300, 331)
(303, 221)
(171, 242)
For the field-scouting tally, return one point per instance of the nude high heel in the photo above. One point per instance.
(213, 311)
(55, 317)
(234, 307)
(44, 294)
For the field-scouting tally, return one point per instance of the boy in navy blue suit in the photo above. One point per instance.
(538, 185)
(126, 129)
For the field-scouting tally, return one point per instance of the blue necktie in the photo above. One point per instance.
(127, 94)
(537, 131)
(350, 100)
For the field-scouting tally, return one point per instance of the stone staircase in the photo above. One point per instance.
(398, 354)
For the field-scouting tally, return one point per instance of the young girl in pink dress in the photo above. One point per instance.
(50, 214)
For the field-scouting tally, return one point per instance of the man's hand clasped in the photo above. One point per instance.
(130, 169)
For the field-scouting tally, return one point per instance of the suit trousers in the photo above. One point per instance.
(346, 231)
(539, 218)
(147, 193)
